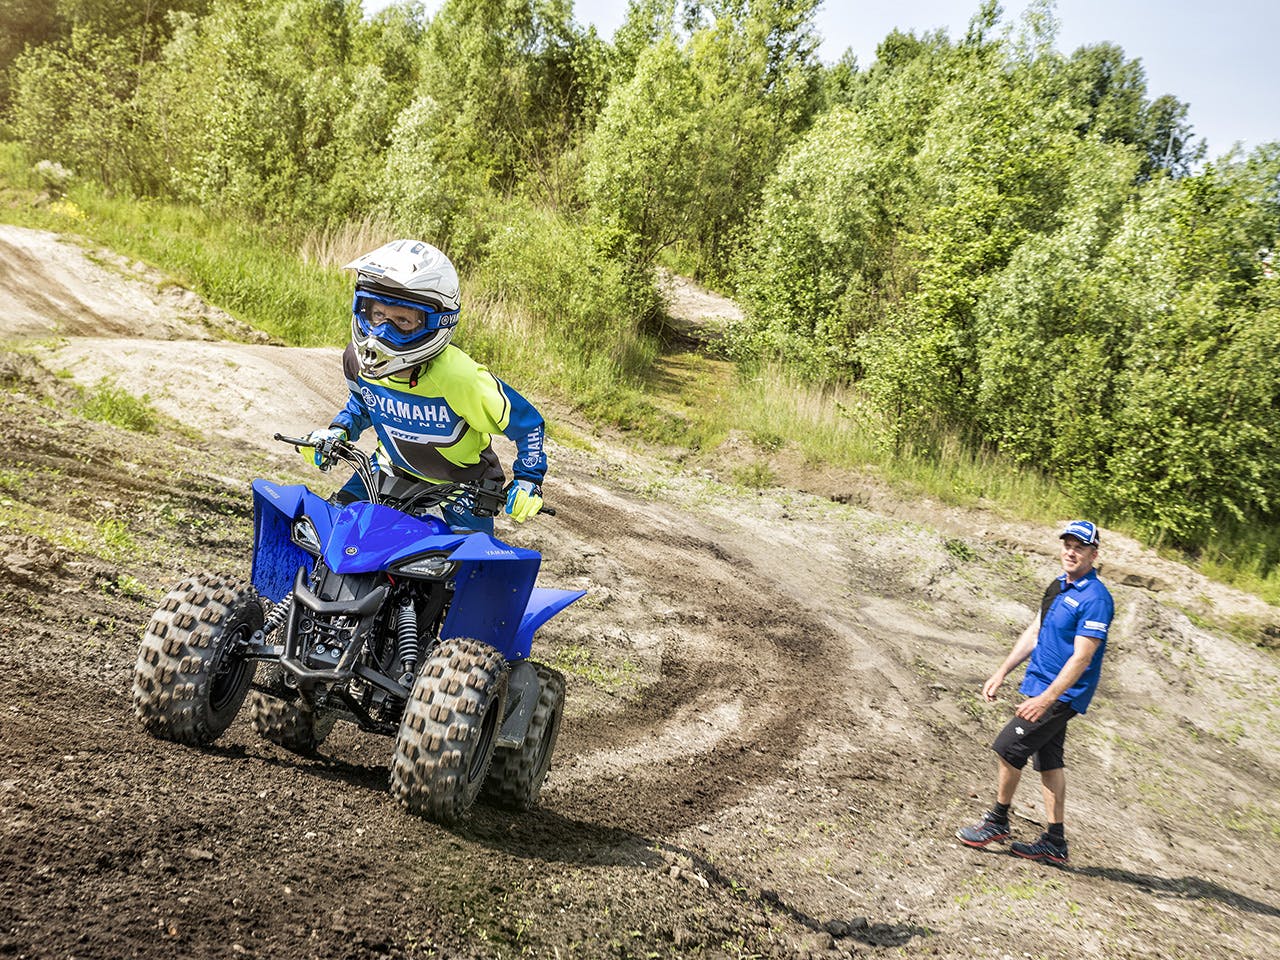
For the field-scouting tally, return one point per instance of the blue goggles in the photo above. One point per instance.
(399, 323)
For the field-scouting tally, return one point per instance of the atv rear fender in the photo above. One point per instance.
(543, 605)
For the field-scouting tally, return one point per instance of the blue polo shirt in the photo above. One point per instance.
(1083, 608)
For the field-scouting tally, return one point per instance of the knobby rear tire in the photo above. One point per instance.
(187, 684)
(448, 730)
(292, 724)
(517, 774)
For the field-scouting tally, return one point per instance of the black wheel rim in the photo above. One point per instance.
(481, 755)
(544, 748)
(231, 674)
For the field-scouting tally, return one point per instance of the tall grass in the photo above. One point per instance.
(835, 425)
(241, 267)
(334, 246)
(1247, 556)
(247, 269)
(546, 306)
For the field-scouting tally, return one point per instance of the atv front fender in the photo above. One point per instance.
(276, 557)
(491, 592)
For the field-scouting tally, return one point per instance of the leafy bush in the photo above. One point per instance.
(688, 138)
(73, 103)
(641, 175)
(551, 279)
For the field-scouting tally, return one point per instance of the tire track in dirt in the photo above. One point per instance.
(776, 651)
(741, 664)
(744, 679)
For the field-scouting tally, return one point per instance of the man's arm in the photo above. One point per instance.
(1022, 648)
(353, 418)
(1034, 708)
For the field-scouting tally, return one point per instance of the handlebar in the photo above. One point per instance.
(487, 498)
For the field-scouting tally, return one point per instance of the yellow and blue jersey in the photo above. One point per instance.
(438, 424)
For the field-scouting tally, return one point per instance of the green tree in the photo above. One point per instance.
(829, 259)
(1048, 341)
(1110, 92)
(144, 23)
(23, 23)
(506, 89)
(638, 176)
(74, 103)
(733, 97)
(645, 24)
(269, 107)
(33, 23)
(1193, 435)
(759, 85)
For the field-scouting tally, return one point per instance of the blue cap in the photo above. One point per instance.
(1082, 530)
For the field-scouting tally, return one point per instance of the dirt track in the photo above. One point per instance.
(773, 725)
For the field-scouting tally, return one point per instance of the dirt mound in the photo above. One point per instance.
(49, 287)
(243, 391)
(772, 726)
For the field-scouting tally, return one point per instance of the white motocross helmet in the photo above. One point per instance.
(405, 306)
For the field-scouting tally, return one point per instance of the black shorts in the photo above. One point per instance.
(1021, 739)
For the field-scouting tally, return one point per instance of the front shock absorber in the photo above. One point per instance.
(279, 613)
(407, 634)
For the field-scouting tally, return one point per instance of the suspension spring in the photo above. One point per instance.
(407, 634)
(279, 613)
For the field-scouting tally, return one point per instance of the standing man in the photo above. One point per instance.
(1066, 644)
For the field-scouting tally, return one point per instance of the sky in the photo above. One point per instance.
(1222, 57)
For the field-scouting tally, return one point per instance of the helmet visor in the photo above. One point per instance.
(398, 323)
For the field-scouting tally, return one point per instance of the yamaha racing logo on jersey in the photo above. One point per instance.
(410, 416)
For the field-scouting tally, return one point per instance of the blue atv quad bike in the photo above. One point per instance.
(377, 614)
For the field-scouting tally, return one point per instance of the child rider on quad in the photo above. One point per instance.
(432, 406)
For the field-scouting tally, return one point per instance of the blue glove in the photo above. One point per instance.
(319, 449)
(524, 500)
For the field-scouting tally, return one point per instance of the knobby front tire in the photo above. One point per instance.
(188, 682)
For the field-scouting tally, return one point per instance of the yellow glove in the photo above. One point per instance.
(319, 452)
(524, 500)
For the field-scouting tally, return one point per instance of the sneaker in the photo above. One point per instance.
(1046, 848)
(984, 832)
